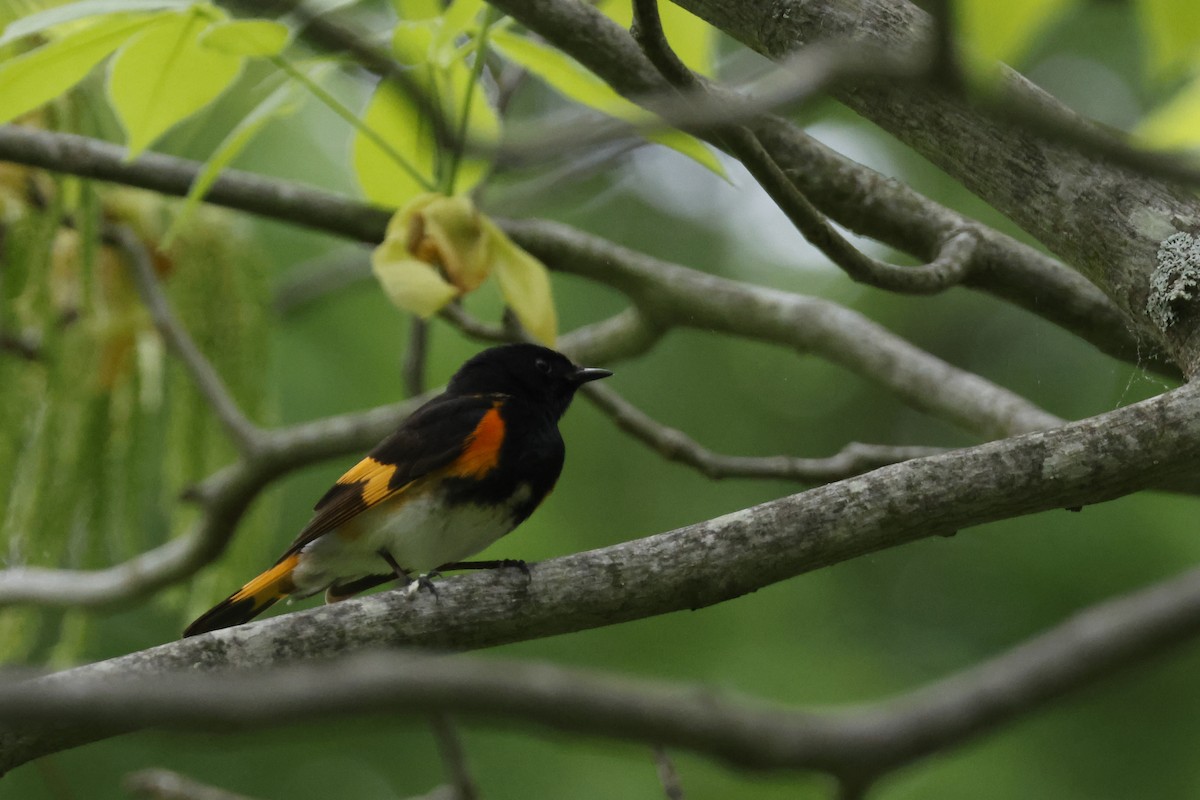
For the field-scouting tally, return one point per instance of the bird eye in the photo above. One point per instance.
(542, 366)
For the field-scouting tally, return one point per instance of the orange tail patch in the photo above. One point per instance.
(251, 600)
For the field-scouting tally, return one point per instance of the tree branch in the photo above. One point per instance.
(245, 191)
(163, 784)
(674, 445)
(858, 745)
(950, 267)
(672, 295)
(1078, 464)
(1105, 220)
(858, 198)
(227, 495)
(863, 200)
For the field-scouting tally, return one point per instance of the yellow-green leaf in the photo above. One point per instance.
(692, 39)
(412, 42)
(394, 118)
(1171, 29)
(525, 284)
(411, 284)
(247, 37)
(1177, 123)
(36, 77)
(43, 21)
(688, 145)
(571, 79)
(561, 72)
(414, 10)
(165, 75)
(397, 121)
(458, 18)
(992, 31)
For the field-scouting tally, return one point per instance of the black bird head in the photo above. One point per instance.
(529, 371)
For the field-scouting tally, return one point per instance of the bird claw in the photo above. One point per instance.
(420, 582)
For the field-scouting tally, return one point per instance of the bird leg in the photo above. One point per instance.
(411, 586)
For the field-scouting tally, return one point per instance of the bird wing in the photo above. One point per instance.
(455, 436)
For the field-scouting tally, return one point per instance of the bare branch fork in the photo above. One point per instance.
(949, 268)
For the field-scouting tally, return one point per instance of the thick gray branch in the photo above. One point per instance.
(1105, 220)
(859, 198)
(1078, 464)
(857, 744)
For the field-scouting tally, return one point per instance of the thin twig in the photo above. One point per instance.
(668, 776)
(460, 318)
(412, 370)
(164, 784)
(245, 435)
(23, 346)
(674, 445)
(674, 296)
(454, 757)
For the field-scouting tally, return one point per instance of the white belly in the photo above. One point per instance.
(421, 533)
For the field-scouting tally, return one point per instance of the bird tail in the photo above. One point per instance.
(251, 600)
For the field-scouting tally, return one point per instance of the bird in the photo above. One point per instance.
(464, 469)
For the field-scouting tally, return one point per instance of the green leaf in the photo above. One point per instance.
(571, 79)
(992, 31)
(249, 37)
(279, 103)
(692, 39)
(525, 284)
(1177, 123)
(688, 145)
(45, 20)
(415, 10)
(412, 42)
(34, 78)
(460, 16)
(165, 75)
(1172, 32)
(396, 120)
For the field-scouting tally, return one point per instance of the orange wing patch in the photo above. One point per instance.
(375, 477)
(482, 451)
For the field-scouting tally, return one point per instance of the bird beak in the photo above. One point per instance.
(585, 374)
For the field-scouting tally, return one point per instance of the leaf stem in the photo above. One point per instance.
(345, 113)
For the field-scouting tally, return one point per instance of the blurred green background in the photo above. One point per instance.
(853, 633)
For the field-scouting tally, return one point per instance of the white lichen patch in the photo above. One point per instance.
(1176, 278)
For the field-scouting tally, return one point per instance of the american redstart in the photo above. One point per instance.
(460, 472)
